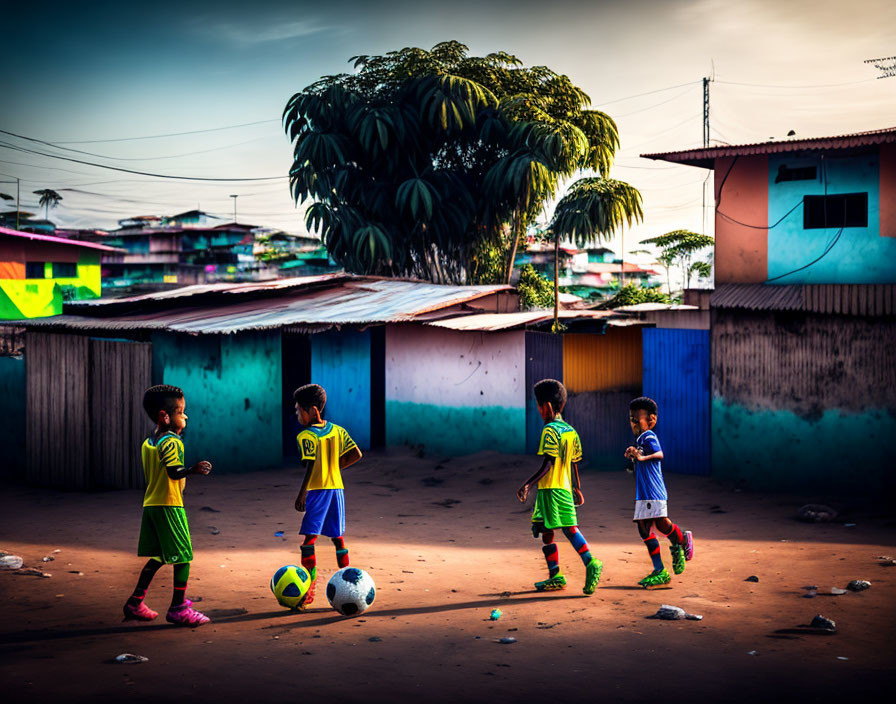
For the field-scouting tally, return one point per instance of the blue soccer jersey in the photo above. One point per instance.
(649, 475)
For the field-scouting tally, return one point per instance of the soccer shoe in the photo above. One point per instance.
(678, 558)
(140, 612)
(656, 579)
(552, 584)
(592, 575)
(186, 615)
(688, 545)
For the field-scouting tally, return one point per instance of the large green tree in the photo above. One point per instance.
(434, 163)
(681, 247)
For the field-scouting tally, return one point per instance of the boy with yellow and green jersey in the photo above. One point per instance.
(559, 489)
(164, 531)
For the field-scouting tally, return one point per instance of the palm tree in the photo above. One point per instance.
(590, 212)
(48, 199)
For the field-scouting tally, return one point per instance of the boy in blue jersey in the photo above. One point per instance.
(326, 449)
(651, 497)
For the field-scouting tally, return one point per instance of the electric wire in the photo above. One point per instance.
(170, 134)
(817, 259)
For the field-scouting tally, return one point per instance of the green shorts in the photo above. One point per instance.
(555, 508)
(165, 533)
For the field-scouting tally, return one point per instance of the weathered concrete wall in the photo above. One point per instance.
(232, 384)
(741, 190)
(455, 392)
(803, 401)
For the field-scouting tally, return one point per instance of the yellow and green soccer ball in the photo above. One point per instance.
(290, 585)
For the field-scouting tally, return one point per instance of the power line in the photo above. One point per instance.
(650, 92)
(827, 249)
(822, 85)
(133, 171)
(170, 134)
(655, 105)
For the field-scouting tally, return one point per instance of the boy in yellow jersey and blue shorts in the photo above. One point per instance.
(164, 532)
(559, 489)
(325, 450)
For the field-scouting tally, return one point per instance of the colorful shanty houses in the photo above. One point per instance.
(803, 317)
(39, 272)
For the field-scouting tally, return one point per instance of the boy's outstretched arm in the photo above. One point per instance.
(203, 467)
(303, 492)
(578, 496)
(523, 491)
(349, 457)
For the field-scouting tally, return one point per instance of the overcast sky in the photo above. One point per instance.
(80, 76)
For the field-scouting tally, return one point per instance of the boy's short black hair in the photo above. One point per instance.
(643, 403)
(550, 391)
(310, 395)
(160, 398)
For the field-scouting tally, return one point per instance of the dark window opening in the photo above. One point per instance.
(34, 270)
(64, 270)
(798, 173)
(842, 210)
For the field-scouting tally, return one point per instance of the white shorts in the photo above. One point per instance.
(651, 508)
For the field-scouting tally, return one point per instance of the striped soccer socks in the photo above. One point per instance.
(653, 547)
(551, 555)
(675, 536)
(574, 535)
(309, 559)
(181, 575)
(341, 552)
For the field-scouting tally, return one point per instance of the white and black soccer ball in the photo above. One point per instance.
(351, 591)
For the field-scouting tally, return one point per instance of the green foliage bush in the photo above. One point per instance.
(535, 290)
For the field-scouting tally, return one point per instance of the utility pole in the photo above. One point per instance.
(706, 81)
(234, 208)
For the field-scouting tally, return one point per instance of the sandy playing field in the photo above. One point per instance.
(447, 542)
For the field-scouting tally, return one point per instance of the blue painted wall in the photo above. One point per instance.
(12, 410)
(676, 376)
(340, 362)
(544, 360)
(233, 387)
(861, 255)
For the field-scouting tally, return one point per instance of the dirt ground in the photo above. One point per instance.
(446, 542)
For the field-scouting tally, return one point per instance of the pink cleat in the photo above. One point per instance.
(140, 612)
(688, 545)
(185, 615)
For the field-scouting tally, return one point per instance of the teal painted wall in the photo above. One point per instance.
(12, 410)
(860, 256)
(779, 450)
(340, 362)
(232, 385)
(456, 430)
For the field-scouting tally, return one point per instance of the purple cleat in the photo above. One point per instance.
(186, 615)
(138, 612)
(688, 545)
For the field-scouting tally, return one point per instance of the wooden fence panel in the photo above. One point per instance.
(58, 410)
(119, 372)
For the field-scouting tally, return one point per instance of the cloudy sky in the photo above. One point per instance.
(122, 82)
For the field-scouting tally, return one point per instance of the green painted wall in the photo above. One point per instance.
(781, 451)
(37, 298)
(12, 410)
(454, 430)
(232, 388)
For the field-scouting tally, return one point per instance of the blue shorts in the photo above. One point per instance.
(324, 513)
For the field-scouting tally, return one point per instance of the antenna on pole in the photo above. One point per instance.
(887, 66)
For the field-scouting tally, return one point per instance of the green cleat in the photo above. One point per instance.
(552, 584)
(592, 575)
(656, 579)
(678, 558)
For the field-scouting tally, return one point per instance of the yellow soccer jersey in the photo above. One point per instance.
(560, 441)
(161, 490)
(324, 445)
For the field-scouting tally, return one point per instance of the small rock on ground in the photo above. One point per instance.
(858, 585)
(825, 623)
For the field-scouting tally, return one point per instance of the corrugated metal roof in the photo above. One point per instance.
(57, 240)
(491, 322)
(650, 307)
(844, 299)
(354, 302)
(705, 156)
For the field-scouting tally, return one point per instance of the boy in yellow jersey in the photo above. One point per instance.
(325, 449)
(559, 490)
(164, 532)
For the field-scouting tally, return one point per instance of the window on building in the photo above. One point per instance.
(64, 270)
(841, 210)
(796, 173)
(34, 270)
